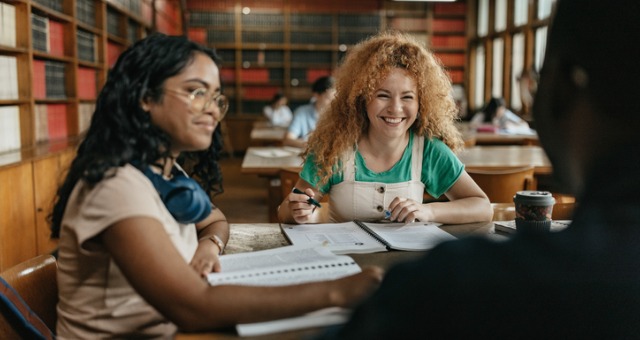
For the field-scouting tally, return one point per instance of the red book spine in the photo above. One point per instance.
(256, 75)
(39, 84)
(57, 121)
(259, 92)
(86, 83)
(56, 38)
(113, 52)
(198, 35)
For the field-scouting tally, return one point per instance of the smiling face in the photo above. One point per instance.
(394, 105)
(189, 129)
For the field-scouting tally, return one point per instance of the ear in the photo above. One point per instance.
(145, 103)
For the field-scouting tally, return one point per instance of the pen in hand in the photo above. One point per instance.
(310, 200)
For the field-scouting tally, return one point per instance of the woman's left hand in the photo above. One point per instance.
(206, 259)
(408, 211)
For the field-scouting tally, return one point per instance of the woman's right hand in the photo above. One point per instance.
(299, 207)
(351, 290)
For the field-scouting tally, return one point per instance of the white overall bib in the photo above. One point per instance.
(367, 201)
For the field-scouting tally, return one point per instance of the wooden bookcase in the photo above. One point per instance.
(284, 45)
(54, 58)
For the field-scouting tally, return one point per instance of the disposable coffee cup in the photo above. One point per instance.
(533, 210)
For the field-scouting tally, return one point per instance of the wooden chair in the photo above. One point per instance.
(35, 281)
(501, 184)
(288, 179)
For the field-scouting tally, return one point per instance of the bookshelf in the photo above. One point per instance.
(271, 46)
(284, 45)
(54, 58)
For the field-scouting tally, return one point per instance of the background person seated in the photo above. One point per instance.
(496, 116)
(277, 111)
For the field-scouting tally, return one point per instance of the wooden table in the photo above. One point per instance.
(267, 162)
(264, 134)
(253, 237)
(500, 157)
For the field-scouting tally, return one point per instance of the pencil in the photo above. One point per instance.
(310, 200)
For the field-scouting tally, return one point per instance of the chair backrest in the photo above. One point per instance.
(35, 282)
(501, 184)
(288, 179)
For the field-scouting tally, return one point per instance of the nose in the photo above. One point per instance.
(395, 106)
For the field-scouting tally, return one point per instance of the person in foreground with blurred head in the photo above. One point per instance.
(136, 234)
(387, 138)
(579, 283)
(306, 116)
(277, 111)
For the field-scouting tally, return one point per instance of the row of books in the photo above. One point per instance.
(133, 6)
(49, 79)
(55, 5)
(113, 22)
(10, 128)
(9, 79)
(48, 35)
(7, 24)
(87, 46)
(271, 21)
(86, 12)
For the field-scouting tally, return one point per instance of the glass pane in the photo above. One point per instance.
(483, 17)
(541, 43)
(520, 12)
(498, 64)
(478, 101)
(501, 15)
(544, 8)
(517, 66)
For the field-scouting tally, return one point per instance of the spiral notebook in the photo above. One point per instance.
(365, 237)
(285, 266)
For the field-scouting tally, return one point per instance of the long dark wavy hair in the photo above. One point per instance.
(121, 131)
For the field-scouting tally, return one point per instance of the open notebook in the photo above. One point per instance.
(365, 237)
(285, 266)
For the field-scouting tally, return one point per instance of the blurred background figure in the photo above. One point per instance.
(496, 115)
(306, 116)
(277, 111)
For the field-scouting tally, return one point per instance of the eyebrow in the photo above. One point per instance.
(403, 92)
(203, 83)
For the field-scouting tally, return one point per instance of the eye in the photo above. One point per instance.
(382, 95)
(407, 97)
(199, 93)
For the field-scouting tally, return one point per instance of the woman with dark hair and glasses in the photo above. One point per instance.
(496, 114)
(136, 233)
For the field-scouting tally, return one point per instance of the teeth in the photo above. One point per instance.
(392, 120)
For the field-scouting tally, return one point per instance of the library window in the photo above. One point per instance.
(508, 38)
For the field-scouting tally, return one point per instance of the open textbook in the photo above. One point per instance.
(366, 237)
(283, 266)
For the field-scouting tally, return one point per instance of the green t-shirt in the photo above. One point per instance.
(440, 169)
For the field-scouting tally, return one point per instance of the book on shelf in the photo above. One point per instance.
(40, 32)
(57, 121)
(39, 79)
(286, 266)
(54, 78)
(7, 25)
(9, 79)
(42, 124)
(509, 227)
(366, 237)
(56, 38)
(85, 112)
(86, 83)
(9, 128)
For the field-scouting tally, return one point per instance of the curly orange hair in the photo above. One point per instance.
(361, 72)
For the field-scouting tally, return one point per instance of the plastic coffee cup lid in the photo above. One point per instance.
(533, 197)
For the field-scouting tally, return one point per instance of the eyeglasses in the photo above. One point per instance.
(200, 101)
